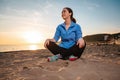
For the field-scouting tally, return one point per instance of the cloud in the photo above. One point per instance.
(48, 6)
(91, 5)
(16, 18)
(40, 18)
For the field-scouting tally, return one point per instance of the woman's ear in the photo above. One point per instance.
(70, 14)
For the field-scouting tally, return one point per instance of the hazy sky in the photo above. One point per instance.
(21, 20)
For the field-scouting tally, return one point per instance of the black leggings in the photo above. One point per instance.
(74, 50)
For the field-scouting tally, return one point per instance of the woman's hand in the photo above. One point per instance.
(47, 42)
(81, 43)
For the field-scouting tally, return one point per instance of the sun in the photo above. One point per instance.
(33, 47)
(33, 37)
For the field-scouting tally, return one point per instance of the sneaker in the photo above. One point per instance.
(73, 58)
(53, 58)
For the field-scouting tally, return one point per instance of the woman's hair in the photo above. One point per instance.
(70, 11)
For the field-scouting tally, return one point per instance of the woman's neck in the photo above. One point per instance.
(68, 21)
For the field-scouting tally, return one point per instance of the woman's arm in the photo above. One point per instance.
(80, 40)
(55, 39)
(47, 42)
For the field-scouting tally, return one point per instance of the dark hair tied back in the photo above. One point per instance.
(70, 11)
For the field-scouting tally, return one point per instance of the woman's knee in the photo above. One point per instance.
(50, 44)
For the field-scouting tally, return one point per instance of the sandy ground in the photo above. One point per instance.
(96, 63)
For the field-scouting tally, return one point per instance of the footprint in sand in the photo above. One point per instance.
(52, 77)
(54, 66)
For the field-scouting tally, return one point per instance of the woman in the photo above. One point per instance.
(72, 44)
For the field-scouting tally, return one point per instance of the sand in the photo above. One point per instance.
(96, 63)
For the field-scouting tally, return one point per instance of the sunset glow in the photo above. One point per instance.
(34, 21)
(32, 37)
(33, 47)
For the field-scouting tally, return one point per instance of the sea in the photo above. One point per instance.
(6, 48)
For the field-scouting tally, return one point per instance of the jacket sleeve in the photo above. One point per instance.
(57, 34)
(78, 32)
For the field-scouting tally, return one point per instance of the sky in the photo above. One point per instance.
(33, 21)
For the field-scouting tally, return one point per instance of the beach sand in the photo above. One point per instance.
(97, 63)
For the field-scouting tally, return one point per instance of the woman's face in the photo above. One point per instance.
(65, 14)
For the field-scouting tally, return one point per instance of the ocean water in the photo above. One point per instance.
(5, 48)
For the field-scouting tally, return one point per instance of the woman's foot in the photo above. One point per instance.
(73, 58)
(54, 58)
